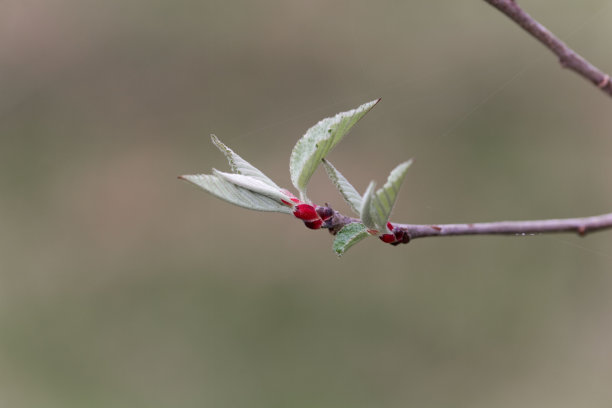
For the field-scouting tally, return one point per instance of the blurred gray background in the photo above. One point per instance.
(121, 286)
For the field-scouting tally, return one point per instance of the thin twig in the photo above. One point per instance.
(581, 226)
(567, 57)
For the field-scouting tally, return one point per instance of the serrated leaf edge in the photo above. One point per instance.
(234, 194)
(348, 192)
(240, 166)
(324, 141)
(354, 237)
(382, 202)
(253, 184)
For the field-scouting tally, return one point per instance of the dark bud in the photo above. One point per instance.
(325, 213)
(406, 238)
(399, 234)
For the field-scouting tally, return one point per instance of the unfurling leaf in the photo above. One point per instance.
(241, 166)
(318, 141)
(234, 194)
(255, 185)
(349, 193)
(383, 200)
(364, 211)
(348, 236)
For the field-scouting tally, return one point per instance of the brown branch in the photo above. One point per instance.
(581, 226)
(567, 57)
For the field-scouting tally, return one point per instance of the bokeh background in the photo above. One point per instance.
(121, 286)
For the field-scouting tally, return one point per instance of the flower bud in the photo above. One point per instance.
(306, 212)
(387, 238)
(325, 213)
(315, 224)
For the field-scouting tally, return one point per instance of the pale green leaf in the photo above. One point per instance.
(364, 211)
(318, 141)
(384, 199)
(349, 193)
(241, 166)
(234, 194)
(253, 184)
(348, 236)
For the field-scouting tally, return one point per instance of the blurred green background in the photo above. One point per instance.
(121, 286)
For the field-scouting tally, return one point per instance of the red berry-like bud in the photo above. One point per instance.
(306, 212)
(315, 224)
(390, 226)
(325, 213)
(387, 238)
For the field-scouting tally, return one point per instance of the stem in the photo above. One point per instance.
(567, 57)
(581, 226)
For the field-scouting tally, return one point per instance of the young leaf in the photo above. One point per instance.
(241, 166)
(349, 193)
(234, 194)
(364, 210)
(348, 236)
(384, 199)
(318, 141)
(253, 184)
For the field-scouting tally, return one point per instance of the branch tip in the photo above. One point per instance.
(568, 58)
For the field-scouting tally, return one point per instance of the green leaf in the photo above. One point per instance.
(234, 194)
(364, 211)
(253, 184)
(349, 193)
(384, 199)
(241, 166)
(348, 236)
(318, 141)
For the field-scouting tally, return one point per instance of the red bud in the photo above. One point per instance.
(315, 224)
(387, 238)
(306, 212)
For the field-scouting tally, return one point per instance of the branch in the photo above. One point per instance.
(567, 57)
(581, 226)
